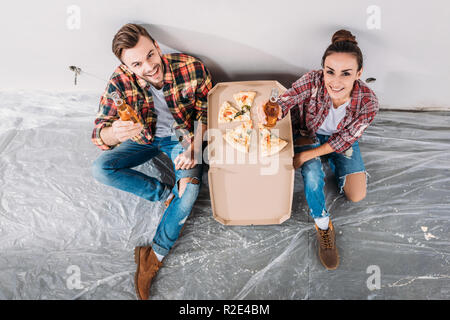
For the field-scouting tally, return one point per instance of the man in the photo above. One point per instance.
(169, 95)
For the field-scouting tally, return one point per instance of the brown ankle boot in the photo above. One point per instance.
(328, 252)
(147, 267)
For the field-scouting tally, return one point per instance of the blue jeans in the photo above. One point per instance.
(113, 168)
(313, 174)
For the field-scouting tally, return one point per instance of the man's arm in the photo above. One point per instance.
(107, 114)
(109, 130)
(193, 153)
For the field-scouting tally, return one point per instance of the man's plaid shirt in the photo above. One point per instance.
(309, 94)
(186, 86)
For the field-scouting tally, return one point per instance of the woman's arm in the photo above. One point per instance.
(294, 96)
(297, 94)
(302, 157)
(347, 136)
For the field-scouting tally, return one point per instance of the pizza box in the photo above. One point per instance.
(247, 188)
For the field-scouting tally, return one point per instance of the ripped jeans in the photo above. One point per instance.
(113, 168)
(342, 164)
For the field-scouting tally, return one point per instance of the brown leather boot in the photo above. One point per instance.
(147, 267)
(328, 252)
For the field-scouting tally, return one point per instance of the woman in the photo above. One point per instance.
(334, 108)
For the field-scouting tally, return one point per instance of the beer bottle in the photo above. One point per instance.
(126, 112)
(271, 109)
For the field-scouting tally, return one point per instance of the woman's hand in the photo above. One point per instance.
(262, 115)
(300, 159)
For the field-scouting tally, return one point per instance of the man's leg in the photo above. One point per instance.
(185, 191)
(113, 168)
(149, 258)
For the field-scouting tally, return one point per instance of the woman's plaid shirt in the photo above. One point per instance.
(186, 86)
(309, 94)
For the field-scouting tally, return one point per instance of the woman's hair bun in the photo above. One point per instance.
(343, 35)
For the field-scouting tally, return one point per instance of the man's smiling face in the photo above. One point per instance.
(144, 60)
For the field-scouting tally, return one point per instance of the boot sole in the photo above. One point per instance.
(328, 268)
(136, 260)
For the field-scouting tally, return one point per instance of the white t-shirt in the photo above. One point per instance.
(165, 119)
(334, 117)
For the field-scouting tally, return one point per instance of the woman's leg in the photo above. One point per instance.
(350, 173)
(355, 186)
(313, 179)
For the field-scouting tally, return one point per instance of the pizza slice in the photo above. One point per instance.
(269, 142)
(244, 98)
(239, 137)
(228, 113)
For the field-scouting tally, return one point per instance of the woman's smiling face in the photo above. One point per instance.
(339, 74)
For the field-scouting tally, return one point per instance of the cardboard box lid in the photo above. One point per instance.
(245, 188)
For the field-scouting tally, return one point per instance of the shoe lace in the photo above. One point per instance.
(326, 242)
(154, 270)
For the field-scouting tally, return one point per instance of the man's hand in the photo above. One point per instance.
(185, 160)
(124, 130)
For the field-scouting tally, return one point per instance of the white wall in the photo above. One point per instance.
(238, 40)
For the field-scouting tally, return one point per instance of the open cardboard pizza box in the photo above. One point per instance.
(246, 188)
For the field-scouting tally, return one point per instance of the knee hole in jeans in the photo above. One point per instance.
(184, 185)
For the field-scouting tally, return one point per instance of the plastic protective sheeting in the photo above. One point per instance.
(65, 236)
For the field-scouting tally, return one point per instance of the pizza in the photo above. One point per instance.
(244, 101)
(244, 98)
(269, 142)
(228, 113)
(239, 137)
